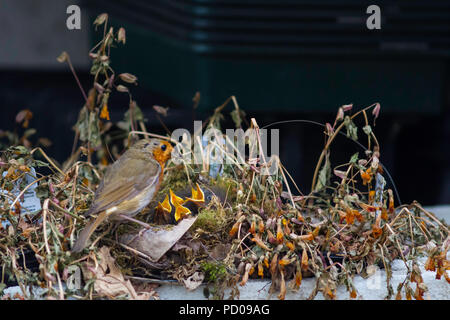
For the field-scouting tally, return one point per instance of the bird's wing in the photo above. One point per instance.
(124, 184)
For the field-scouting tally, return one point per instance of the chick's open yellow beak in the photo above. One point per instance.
(165, 205)
(198, 197)
(180, 210)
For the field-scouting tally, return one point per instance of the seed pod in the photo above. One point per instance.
(273, 264)
(100, 19)
(279, 232)
(304, 260)
(121, 36)
(261, 226)
(128, 77)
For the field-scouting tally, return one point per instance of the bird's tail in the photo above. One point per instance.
(86, 233)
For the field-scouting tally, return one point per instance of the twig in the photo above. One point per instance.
(44, 224)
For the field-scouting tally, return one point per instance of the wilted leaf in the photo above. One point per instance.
(236, 116)
(194, 281)
(376, 110)
(109, 281)
(100, 19)
(324, 175)
(161, 110)
(63, 57)
(352, 129)
(367, 130)
(121, 88)
(347, 107)
(24, 116)
(128, 78)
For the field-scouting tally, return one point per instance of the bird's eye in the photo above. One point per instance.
(163, 147)
(146, 145)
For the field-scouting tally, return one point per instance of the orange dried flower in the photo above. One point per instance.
(358, 215)
(330, 294)
(418, 294)
(366, 176)
(298, 279)
(376, 230)
(260, 270)
(384, 214)
(353, 294)
(349, 217)
(234, 229)
(304, 260)
(290, 245)
(253, 227)
(371, 196)
(260, 243)
(429, 264)
(261, 226)
(408, 295)
(284, 262)
(279, 233)
(316, 231)
(266, 262)
(104, 114)
(273, 264)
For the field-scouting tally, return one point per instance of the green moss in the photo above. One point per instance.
(214, 271)
(212, 219)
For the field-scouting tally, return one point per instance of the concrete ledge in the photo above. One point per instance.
(373, 288)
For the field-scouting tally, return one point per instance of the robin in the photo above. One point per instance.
(128, 186)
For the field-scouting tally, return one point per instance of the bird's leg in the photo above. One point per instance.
(145, 225)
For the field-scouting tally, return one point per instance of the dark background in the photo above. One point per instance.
(282, 60)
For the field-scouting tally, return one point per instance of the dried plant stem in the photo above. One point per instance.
(66, 211)
(251, 188)
(430, 215)
(61, 291)
(152, 135)
(76, 78)
(44, 225)
(290, 177)
(48, 159)
(327, 146)
(286, 182)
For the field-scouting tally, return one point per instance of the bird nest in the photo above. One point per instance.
(253, 225)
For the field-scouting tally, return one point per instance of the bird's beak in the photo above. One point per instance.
(174, 199)
(180, 210)
(165, 205)
(198, 197)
